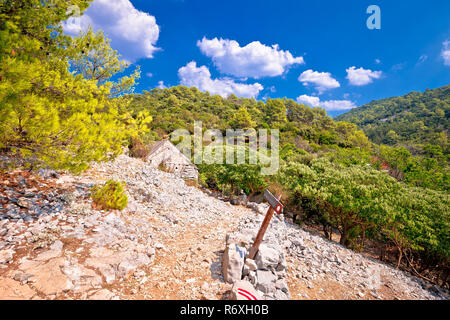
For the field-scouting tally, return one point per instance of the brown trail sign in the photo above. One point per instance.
(275, 206)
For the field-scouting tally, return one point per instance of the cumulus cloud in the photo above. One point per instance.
(133, 33)
(330, 105)
(200, 77)
(255, 60)
(321, 80)
(446, 52)
(361, 76)
(161, 85)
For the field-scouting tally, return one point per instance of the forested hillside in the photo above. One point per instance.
(178, 107)
(65, 103)
(331, 174)
(416, 118)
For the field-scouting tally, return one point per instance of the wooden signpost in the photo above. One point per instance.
(275, 206)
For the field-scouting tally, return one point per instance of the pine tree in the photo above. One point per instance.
(242, 119)
(49, 115)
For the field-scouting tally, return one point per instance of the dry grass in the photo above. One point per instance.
(138, 149)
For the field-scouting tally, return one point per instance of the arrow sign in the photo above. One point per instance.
(274, 203)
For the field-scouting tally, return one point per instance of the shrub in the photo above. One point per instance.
(110, 196)
(162, 167)
(138, 149)
(193, 183)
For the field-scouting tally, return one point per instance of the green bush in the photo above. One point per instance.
(110, 196)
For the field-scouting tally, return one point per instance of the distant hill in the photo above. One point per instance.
(416, 118)
(306, 128)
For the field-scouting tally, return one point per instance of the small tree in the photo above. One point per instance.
(49, 115)
(111, 196)
(242, 120)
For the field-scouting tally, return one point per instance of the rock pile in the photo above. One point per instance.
(21, 197)
(266, 274)
(166, 244)
(314, 259)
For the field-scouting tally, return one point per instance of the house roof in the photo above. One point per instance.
(158, 147)
(154, 149)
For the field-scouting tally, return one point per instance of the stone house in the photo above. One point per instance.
(166, 154)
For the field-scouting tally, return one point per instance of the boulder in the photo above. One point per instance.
(243, 240)
(49, 279)
(266, 281)
(244, 290)
(13, 290)
(6, 256)
(267, 257)
(245, 270)
(103, 294)
(54, 252)
(282, 285)
(251, 264)
(280, 295)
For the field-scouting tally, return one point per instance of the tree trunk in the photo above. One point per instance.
(382, 252)
(445, 276)
(325, 230)
(343, 240)
(250, 195)
(400, 256)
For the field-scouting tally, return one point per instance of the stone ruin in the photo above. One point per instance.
(165, 153)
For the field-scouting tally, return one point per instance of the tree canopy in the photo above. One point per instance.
(57, 105)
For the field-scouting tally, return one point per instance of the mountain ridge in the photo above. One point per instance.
(413, 119)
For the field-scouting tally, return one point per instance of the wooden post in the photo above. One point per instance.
(262, 231)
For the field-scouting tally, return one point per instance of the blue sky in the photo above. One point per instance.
(324, 55)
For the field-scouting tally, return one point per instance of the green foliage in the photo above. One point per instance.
(429, 169)
(110, 196)
(361, 202)
(415, 119)
(178, 107)
(92, 57)
(231, 179)
(64, 103)
(275, 110)
(416, 126)
(242, 120)
(50, 116)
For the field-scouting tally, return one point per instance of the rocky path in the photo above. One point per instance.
(167, 244)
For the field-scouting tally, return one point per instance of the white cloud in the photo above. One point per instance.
(446, 52)
(422, 59)
(133, 33)
(322, 80)
(361, 76)
(398, 66)
(255, 60)
(200, 77)
(161, 85)
(309, 100)
(149, 74)
(377, 61)
(330, 105)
